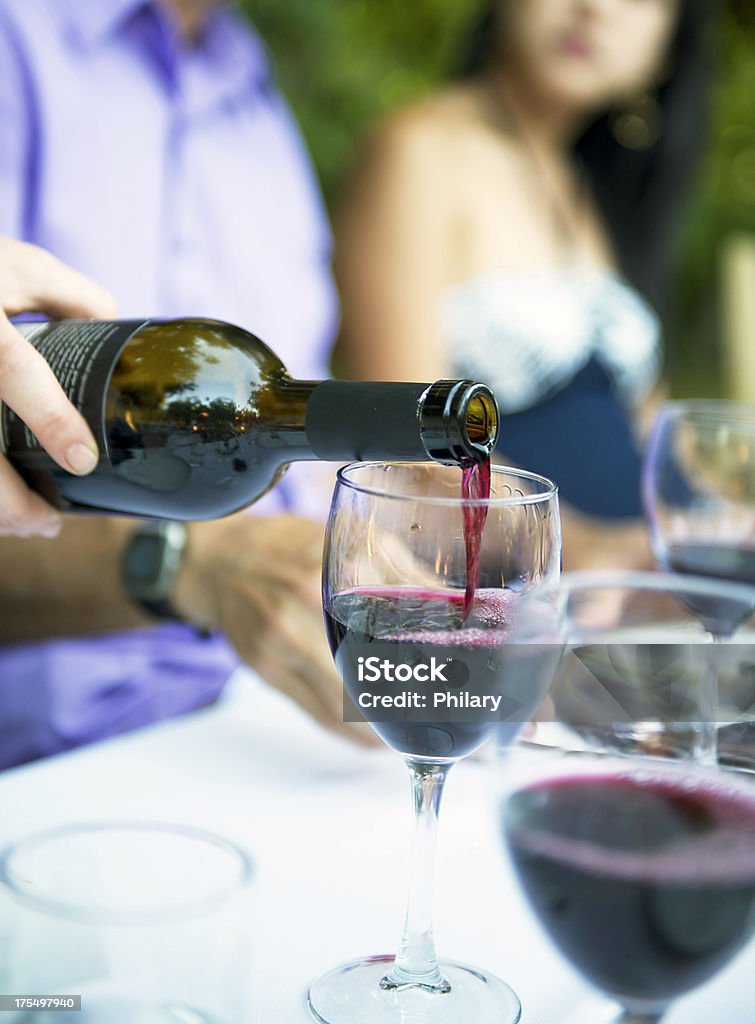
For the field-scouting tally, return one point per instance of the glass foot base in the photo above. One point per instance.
(351, 994)
(602, 1010)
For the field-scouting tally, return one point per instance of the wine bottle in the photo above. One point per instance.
(197, 418)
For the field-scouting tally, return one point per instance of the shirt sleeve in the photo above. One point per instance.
(17, 119)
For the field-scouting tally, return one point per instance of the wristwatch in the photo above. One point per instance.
(150, 565)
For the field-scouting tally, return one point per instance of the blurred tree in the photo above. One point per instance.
(723, 205)
(342, 63)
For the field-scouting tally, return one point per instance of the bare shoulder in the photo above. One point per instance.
(407, 156)
(414, 136)
(444, 133)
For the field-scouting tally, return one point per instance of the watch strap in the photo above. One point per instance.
(160, 609)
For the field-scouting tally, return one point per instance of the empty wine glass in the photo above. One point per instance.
(638, 668)
(427, 671)
(638, 860)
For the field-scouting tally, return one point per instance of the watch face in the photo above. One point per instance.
(150, 565)
(145, 559)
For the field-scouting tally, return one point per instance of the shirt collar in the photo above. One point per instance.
(93, 20)
(228, 39)
(233, 45)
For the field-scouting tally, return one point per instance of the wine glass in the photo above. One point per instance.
(427, 671)
(637, 669)
(638, 860)
(699, 493)
(640, 870)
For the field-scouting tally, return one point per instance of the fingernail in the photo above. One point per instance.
(81, 458)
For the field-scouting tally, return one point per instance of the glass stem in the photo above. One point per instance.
(416, 963)
(705, 751)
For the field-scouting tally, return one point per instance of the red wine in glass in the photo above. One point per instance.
(646, 884)
(391, 640)
(716, 561)
(719, 561)
(464, 684)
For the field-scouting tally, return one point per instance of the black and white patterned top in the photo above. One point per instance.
(527, 333)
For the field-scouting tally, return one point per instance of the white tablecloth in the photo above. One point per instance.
(329, 828)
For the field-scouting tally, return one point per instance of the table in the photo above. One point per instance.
(329, 827)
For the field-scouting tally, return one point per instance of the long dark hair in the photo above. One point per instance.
(640, 192)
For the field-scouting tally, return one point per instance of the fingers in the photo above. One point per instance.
(299, 688)
(292, 643)
(29, 387)
(306, 675)
(284, 640)
(22, 512)
(33, 279)
(258, 580)
(397, 563)
(324, 703)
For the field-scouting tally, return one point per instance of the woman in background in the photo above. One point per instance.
(515, 228)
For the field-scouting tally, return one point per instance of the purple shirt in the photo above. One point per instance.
(177, 178)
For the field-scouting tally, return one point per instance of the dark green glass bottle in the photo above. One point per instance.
(197, 418)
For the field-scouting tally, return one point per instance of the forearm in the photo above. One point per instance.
(68, 586)
(591, 542)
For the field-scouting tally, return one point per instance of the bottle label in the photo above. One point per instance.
(82, 354)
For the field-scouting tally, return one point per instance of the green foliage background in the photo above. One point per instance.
(341, 63)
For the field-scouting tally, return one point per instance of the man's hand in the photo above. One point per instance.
(33, 280)
(257, 579)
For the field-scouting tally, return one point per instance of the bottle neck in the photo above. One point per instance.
(344, 421)
(286, 417)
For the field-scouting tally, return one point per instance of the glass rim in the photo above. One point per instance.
(550, 489)
(91, 914)
(574, 747)
(669, 582)
(710, 408)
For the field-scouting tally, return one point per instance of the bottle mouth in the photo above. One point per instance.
(459, 423)
(481, 420)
